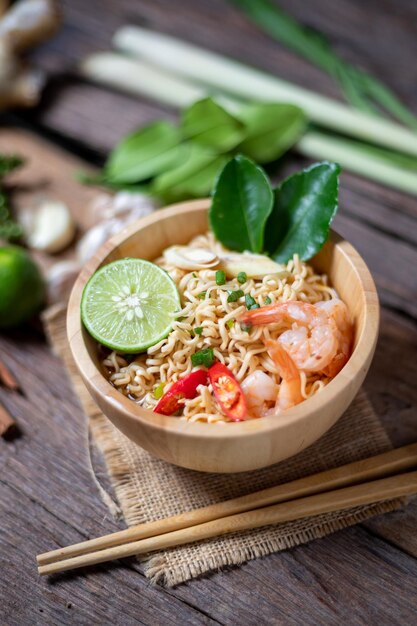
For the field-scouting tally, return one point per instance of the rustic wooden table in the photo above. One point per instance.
(363, 575)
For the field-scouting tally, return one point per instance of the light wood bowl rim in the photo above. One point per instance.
(251, 428)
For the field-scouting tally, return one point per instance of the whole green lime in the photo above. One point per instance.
(22, 289)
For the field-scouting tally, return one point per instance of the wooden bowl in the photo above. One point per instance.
(232, 447)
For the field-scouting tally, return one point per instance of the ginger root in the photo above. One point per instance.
(26, 23)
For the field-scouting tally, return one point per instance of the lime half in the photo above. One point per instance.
(130, 305)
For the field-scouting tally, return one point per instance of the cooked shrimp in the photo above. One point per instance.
(312, 342)
(339, 313)
(260, 392)
(289, 393)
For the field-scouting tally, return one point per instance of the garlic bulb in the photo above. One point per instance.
(95, 237)
(188, 258)
(254, 265)
(110, 214)
(60, 279)
(122, 205)
(48, 226)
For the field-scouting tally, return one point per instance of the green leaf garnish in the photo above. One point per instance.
(220, 277)
(271, 129)
(145, 153)
(192, 176)
(203, 357)
(242, 202)
(304, 207)
(235, 295)
(208, 123)
(242, 278)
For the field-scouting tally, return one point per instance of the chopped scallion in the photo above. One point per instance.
(203, 357)
(245, 327)
(198, 330)
(268, 300)
(159, 391)
(220, 277)
(251, 302)
(230, 323)
(194, 275)
(202, 295)
(242, 278)
(235, 295)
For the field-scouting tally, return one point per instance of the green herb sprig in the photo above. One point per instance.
(9, 229)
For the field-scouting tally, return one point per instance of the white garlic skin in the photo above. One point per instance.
(95, 237)
(60, 279)
(111, 214)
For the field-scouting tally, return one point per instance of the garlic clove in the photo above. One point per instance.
(48, 227)
(188, 258)
(254, 265)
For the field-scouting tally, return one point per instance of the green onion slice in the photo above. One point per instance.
(203, 357)
(220, 277)
(235, 295)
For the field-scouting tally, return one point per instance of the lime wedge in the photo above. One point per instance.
(129, 305)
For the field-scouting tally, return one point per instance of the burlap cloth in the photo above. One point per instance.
(148, 489)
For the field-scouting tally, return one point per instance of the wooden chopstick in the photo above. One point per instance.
(338, 500)
(375, 467)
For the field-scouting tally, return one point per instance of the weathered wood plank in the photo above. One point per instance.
(391, 385)
(391, 261)
(347, 578)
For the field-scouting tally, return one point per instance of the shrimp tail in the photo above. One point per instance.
(289, 393)
(286, 367)
(265, 315)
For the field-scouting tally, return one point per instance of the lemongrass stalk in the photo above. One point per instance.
(321, 146)
(245, 82)
(141, 79)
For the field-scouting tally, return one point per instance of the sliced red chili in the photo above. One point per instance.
(228, 392)
(170, 402)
